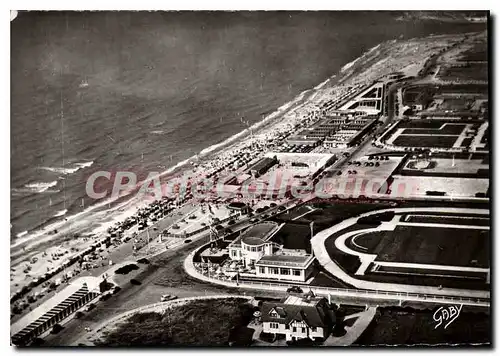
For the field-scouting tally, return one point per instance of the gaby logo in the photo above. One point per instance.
(446, 315)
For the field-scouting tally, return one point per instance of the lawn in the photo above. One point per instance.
(199, 323)
(422, 124)
(448, 129)
(331, 213)
(326, 280)
(405, 326)
(294, 236)
(425, 141)
(430, 245)
(453, 220)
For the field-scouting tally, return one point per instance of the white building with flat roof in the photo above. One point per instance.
(268, 260)
(289, 265)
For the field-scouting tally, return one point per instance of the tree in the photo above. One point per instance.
(57, 328)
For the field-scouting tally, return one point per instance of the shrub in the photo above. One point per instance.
(57, 328)
(267, 337)
(37, 342)
(135, 282)
(126, 269)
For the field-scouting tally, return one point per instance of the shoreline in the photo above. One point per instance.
(92, 222)
(24, 238)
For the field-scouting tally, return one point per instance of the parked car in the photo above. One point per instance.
(294, 289)
(89, 307)
(187, 241)
(167, 297)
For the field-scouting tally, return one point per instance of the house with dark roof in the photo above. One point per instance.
(239, 207)
(299, 318)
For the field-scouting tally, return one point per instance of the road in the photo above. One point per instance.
(165, 275)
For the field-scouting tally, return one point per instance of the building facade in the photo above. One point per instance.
(299, 318)
(284, 265)
(265, 259)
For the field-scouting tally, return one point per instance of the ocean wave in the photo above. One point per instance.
(85, 164)
(68, 170)
(349, 65)
(178, 165)
(157, 132)
(61, 213)
(21, 234)
(373, 49)
(40, 187)
(321, 85)
(60, 170)
(25, 191)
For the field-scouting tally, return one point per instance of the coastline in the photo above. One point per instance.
(96, 219)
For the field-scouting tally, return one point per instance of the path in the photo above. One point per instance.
(353, 332)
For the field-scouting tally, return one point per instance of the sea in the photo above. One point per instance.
(147, 91)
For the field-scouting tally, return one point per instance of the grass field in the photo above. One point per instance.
(422, 124)
(425, 141)
(331, 213)
(434, 272)
(416, 244)
(294, 236)
(199, 323)
(448, 129)
(406, 326)
(448, 220)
